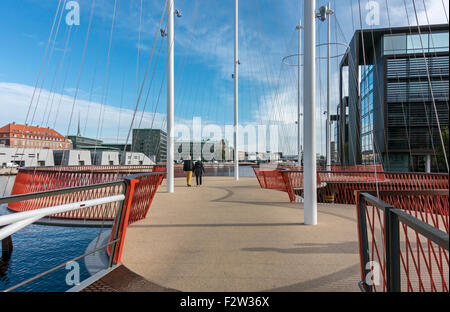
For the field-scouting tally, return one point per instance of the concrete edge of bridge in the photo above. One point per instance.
(116, 279)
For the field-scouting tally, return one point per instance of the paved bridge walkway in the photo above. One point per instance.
(235, 236)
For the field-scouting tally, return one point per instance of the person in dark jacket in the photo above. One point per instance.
(188, 167)
(199, 169)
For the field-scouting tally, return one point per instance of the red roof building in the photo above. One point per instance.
(24, 136)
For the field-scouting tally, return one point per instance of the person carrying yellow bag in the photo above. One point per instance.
(188, 167)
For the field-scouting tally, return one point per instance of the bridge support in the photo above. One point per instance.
(310, 174)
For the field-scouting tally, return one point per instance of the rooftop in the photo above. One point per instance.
(26, 129)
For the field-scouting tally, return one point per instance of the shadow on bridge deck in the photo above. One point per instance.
(235, 236)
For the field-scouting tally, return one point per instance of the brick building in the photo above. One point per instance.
(24, 136)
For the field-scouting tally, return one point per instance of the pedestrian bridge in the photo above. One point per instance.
(247, 235)
(235, 236)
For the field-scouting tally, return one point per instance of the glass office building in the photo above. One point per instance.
(398, 91)
(150, 142)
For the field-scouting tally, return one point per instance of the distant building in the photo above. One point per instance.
(242, 156)
(117, 147)
(292, 158)
(392, 109)
(25, 136)
(83, 143)
(103, 158)
(262, 157)
(207, 149)
(72, 158)
(134, 159)
(26, 157)
(150, 142)
(46, 157)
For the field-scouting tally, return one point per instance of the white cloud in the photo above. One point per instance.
(101, 120)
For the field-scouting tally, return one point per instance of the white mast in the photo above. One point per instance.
(310, 178)
(328, 130)
(236, 91)
(299, 99)
(170, 98)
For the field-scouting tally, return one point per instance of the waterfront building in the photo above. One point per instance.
(150, 142)
(72, 158)
(26, 157)
(134, 159)
(392, 109)
(208, 149)
(82, 143)
(35, 137)
(117, 146)
(103, 158)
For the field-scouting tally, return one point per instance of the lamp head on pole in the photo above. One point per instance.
(322, 15)
(324, 12)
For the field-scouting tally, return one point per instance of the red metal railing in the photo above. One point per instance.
(423, 264)
(32, 180)
(271, 179)
(343, 184)
(141, 189)
(94, 168)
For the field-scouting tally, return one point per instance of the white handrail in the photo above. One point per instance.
(19, 220)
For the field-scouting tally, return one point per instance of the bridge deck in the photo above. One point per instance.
(228, 236)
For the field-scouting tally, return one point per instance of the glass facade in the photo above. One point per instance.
(150, 142)
(415, 43)
(366, 109)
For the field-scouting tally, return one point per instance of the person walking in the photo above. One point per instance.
(199, 169)
(188, 167)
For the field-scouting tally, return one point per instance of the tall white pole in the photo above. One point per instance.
(310, 175)
(299, 97)
(328, 124)
(236, 90)
(170, 97)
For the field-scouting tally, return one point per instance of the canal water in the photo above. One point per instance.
(228, 171)
(38, 248)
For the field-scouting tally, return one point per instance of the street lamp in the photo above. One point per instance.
(324, 15)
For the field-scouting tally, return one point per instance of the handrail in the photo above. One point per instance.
(392, 219)
(439, 192)
(437, 236)
(19, 220)
(69, 190)
(366, 172)
(87, 169)
(376, 202)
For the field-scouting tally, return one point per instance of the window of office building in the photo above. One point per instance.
(366, 109)
(415, 43)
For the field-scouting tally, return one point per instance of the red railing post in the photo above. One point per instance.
(123, 223)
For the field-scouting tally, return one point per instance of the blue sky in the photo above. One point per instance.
(107, 92)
